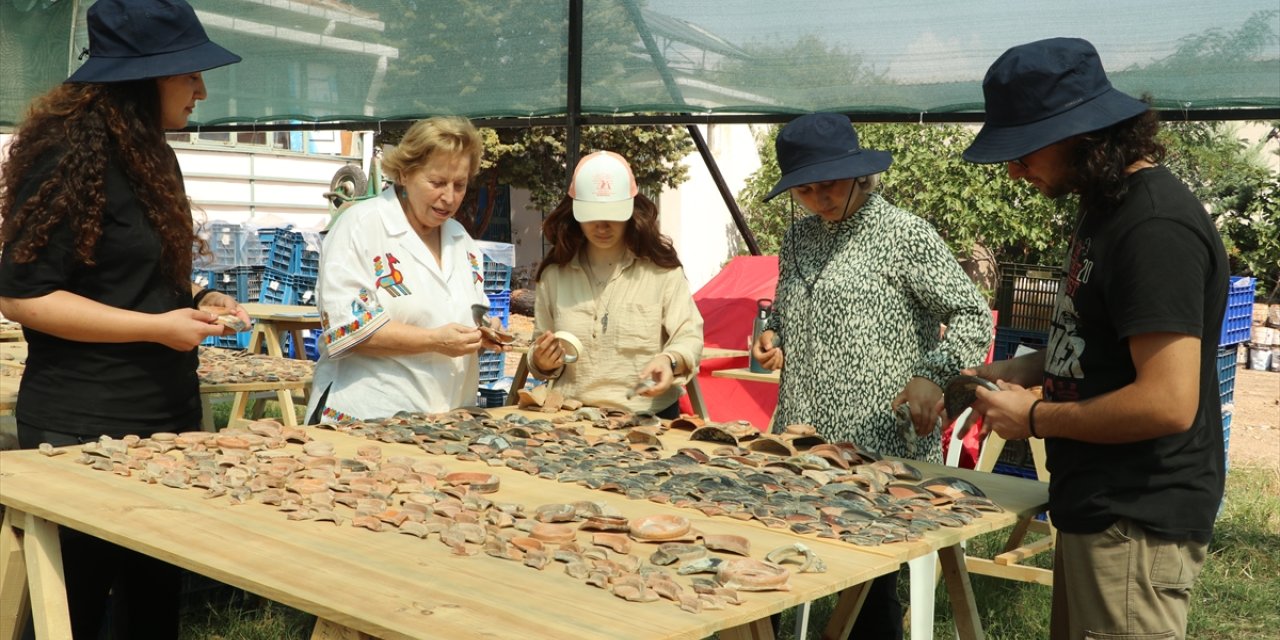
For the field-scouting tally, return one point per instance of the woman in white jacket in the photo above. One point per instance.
(398, 278)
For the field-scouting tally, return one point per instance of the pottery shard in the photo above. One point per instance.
(474, 481)
(728, 543)
(659, 527)
(747, 574)
(619, 542)
(553, 533)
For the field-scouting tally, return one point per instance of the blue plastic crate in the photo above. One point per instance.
(238, 340)
(497, 276)
(285, 254)
(1238, 317)
(256, 254)
(1226, 439)
(500, 306)
(1008, 339)
(491, 398)
(1018, 471)
(225, 240)
(492, 366)
(285, 288)
(309, 263)
(203, 277)
(1227, 375)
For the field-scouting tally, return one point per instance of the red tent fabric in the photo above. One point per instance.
(728, 306)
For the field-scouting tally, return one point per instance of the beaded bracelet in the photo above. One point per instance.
(1031, 419)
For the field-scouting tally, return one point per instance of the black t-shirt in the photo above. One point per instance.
(1156, 264)
(90, 388)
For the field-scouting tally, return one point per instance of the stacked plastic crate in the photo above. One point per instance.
(235, 266)
(292, 268)
(1236, 322)
(497, 261)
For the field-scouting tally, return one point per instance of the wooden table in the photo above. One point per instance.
(271, 322)
(709, 353)
(401, 580)
(749, 375)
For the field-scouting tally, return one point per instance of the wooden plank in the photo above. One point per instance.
(1021, 573)
(755, 630)
(325, 630)
(964, 608)
(282, 312)
(15, 606)
(748, 374)
(1016, 556)
(846, 612)
(43, 554)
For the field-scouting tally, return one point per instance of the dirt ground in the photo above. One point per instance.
(1255, 422)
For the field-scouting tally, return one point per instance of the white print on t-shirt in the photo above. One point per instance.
(1062, 357)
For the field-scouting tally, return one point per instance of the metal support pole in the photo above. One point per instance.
(739, 220)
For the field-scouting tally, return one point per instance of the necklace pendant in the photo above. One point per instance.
(604, 323)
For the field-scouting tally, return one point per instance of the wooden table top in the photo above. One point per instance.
(716, 352)
(748, 374)
(316, 566)
(409, 588)
(282, 312)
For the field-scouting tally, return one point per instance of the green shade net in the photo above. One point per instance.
(370, 60)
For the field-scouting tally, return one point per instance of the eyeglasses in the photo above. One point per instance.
(1020, 162)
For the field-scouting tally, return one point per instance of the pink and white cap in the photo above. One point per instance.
(603, 188)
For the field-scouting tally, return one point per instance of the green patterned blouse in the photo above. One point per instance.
(859, 305)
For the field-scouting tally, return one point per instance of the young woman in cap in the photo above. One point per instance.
(398, 280)
(1131, 412)
(863, 288)
(97, 240)
(613, 281)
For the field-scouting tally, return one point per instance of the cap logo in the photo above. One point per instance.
(604, 185)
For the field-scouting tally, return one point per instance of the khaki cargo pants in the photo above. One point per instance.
(1122, 584)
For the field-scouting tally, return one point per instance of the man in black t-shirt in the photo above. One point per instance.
(1130, 414)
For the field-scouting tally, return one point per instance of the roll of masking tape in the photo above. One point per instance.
(570, 344)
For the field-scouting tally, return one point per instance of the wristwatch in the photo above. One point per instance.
(675, 362)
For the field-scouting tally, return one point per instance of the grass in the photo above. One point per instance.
(1234, 598)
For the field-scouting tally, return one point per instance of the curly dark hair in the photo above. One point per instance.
(642, 236)
(86, 125)
(1101, 158)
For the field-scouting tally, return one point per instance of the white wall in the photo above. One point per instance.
(695, 216)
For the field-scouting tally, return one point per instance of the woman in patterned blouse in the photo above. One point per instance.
(863, 288)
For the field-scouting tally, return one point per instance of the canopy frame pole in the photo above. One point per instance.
(704, 150)
(573, 111)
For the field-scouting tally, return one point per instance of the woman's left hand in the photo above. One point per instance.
(221, 304)
(659, 371)
(923, 396)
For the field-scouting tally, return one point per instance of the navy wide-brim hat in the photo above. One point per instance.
(820, 147)
(140, 39)
(1043, 92)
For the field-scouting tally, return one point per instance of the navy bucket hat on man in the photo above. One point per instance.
(1044, 92)
(820, 147)
(140, 39)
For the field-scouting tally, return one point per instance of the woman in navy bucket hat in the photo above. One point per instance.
(97, 241)
(1130, 412)
(862, 289)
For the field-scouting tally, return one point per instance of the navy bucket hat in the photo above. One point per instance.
(1044, 92)
(820, 147)
(140, 39)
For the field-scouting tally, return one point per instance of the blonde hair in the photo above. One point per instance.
(441, 134)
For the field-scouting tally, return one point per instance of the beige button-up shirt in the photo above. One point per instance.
(643, 310)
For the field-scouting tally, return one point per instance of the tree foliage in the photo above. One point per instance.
(968, 204)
